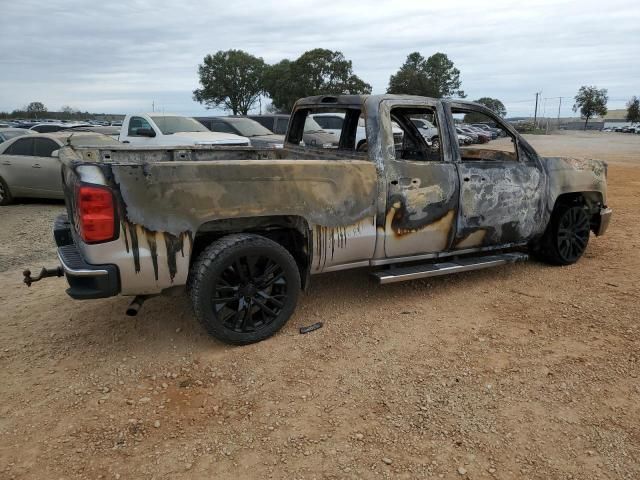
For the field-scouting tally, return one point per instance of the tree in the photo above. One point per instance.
(281, 85)
(435, 76)
(68, 109)
(591, 101)
(315, 72)
(35, 108)
(633, 110)
(412, 78)
(493, 104)
(232, 79)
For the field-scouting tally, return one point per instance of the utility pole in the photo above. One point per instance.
(559, 106)
(535, 114)
(153, 105)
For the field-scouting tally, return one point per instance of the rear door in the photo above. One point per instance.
(46, 179)
(421, 183)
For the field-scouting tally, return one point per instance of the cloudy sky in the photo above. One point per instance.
(119, 57)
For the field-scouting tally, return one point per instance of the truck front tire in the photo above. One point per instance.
(244, 288)
(567, 235)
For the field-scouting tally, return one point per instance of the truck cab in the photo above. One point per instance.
(160, 129)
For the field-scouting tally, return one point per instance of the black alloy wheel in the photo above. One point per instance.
(567, 235)
(244, 288)
(249, 293)
(573, 234)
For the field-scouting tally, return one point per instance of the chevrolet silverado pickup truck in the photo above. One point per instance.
(160, 129)
(242, 229)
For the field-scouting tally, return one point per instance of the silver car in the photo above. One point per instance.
(29, 166)
(10, 132)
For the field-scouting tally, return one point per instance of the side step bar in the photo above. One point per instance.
(400, 274)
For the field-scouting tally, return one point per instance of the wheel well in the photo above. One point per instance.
(592, 200)
(291, 232)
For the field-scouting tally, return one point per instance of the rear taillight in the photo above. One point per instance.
(96, 214)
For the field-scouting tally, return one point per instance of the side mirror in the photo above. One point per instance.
(146, 132)
(55, 153)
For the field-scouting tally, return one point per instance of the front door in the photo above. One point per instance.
(501, 189)
(16, 160)
(422, 187)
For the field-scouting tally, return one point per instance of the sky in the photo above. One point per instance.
(124, 57)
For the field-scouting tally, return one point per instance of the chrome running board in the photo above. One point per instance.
(400, 274)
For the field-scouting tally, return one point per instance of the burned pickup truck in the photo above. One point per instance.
(242, 229)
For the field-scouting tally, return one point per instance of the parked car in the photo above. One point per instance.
(9, 133)
(485, 135)
(247, 228)
(259, 136)
(332, 123)
(113, 132)
(428, 131)
(156, 129)
(468, 133)
(477, 135)
(29, 166)
(48, 127)
(314, 134)
(464, 139)
(495, 132)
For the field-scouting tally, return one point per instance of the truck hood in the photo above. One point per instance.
(213, 138)
(263, 141)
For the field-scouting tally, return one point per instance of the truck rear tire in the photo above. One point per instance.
(244, 288)
(5, 193)
(567, 235)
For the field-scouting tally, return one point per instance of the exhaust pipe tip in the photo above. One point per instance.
(135, 305)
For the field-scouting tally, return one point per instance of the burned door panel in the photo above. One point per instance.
(500, 203)
(422, 207)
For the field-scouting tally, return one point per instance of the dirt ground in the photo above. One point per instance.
(525, 371)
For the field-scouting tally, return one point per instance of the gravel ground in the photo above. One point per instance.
(25, 236)
(524, 371)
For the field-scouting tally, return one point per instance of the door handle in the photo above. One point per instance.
(36, 165)
(126, 141)
(475, 177)
(403, 181)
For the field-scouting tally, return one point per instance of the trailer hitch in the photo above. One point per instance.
(44, 273)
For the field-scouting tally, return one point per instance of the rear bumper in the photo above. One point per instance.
(86, 281)
(605, 218)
